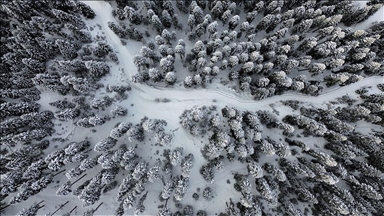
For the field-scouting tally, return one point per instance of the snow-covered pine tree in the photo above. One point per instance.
(213, 28)
(163, 210)
(156, 22)
(76, 147)
(132, 15)
(186, 165)
(170, 77)
(166, 19)
(120, 130)
(188, 210)
(168, 189)
(136, 132)
(154, 171)
(233, 22)
(176, 156)
(105, 144)
(32, 210)
(207, 172)
(140, 208)
(255, 169)
(106, 160)
(181, 186)
(65, 188)
(119, 210)
(88, 163)
(140, 170)
(275, 172)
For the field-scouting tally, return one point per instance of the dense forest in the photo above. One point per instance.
(91, 121)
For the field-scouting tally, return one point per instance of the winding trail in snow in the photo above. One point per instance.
(193, 97)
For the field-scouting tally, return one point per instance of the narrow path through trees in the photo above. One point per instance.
(191, 97)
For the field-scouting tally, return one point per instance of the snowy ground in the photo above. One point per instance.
(143, 99)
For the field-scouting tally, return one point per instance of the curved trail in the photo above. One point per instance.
(202, 96)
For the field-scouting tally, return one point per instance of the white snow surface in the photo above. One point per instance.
(143, 99)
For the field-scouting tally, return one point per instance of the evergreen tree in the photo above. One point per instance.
(166, 19)
(31, 211)
(74, 148)
(105, 144)
(217, 10)
(68, 18)
(335, 203)
(88, 163)
(188, 82)
(188, 210)
(276, 172)
(181, 186)
(168, 189)
(233, 22)
(186, 165)
(120, 130)
(74, 172)
(170, 77)
(65, 188)
(140, 208)
(85, 10)
(213, 28)
(225, 16)
(207, 172)
(154, 172)
(67, 49)
(255, 169)
(120, 210)
(97, 69)
(140, 170)
(156, 22)
(163, 210)
(176, 156)
(132, 15)
(136, 132)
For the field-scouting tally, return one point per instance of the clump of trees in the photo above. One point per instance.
(198, 120)
(279, 50)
